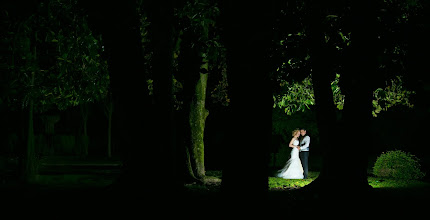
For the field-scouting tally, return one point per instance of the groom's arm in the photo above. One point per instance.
(306, 142)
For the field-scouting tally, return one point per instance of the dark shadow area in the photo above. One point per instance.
(173, 108)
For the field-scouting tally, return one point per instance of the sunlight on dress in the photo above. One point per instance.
(293, 168)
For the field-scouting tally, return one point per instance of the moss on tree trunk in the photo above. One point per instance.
(198, 115)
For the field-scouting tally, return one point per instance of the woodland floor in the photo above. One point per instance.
(86, 187)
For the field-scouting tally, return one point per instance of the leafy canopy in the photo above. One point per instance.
(55, 59)
(299, 96)
(294, 91)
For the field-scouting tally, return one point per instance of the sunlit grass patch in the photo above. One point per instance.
(377, 182)
(277, 183)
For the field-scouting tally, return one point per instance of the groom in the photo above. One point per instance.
(304, 151)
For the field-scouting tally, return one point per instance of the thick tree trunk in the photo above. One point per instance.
(119, 26)
(161, 121)
(321, 79)
(358, 87)
(248, 34)
(345, 154)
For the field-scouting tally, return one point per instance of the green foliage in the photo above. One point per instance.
(219, 94)
(397, 164)
(57, 47)
(392, 95)
(299, 96)
(199, 18)
(338, 97)
(291, 50)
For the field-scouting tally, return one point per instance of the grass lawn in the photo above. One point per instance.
(377, 182)
(396, 187)
(386, 186)
(285, 194)
(276, 183)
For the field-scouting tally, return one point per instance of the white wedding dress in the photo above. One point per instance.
(293, 169)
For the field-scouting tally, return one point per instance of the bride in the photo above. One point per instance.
(293, 168)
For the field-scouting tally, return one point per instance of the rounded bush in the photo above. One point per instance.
(397, 164)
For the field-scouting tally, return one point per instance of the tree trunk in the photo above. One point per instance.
(84, 139)
(29, 162)
(248, 34)
(119, 26)
(198, 114)
(193, 75)
(50, 121)
(161, 122)
(358, 88)
(321, 79)
(109, 145)
(344, 155)
(108, 112)
(29, 172)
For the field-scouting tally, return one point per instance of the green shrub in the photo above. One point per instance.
(398, 165)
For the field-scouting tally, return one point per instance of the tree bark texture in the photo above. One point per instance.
(198, 114)
(193, 74)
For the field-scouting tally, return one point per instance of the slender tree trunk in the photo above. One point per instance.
(193, 75)
(108, 111)
(84, 139)
(198, 114)
(109, 114)
(30, 163)
(29, 172)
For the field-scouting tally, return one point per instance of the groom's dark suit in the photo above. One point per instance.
(304, 154)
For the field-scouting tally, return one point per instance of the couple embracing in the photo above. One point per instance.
(297, 166)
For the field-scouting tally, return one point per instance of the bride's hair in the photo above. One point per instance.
(295, 132)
